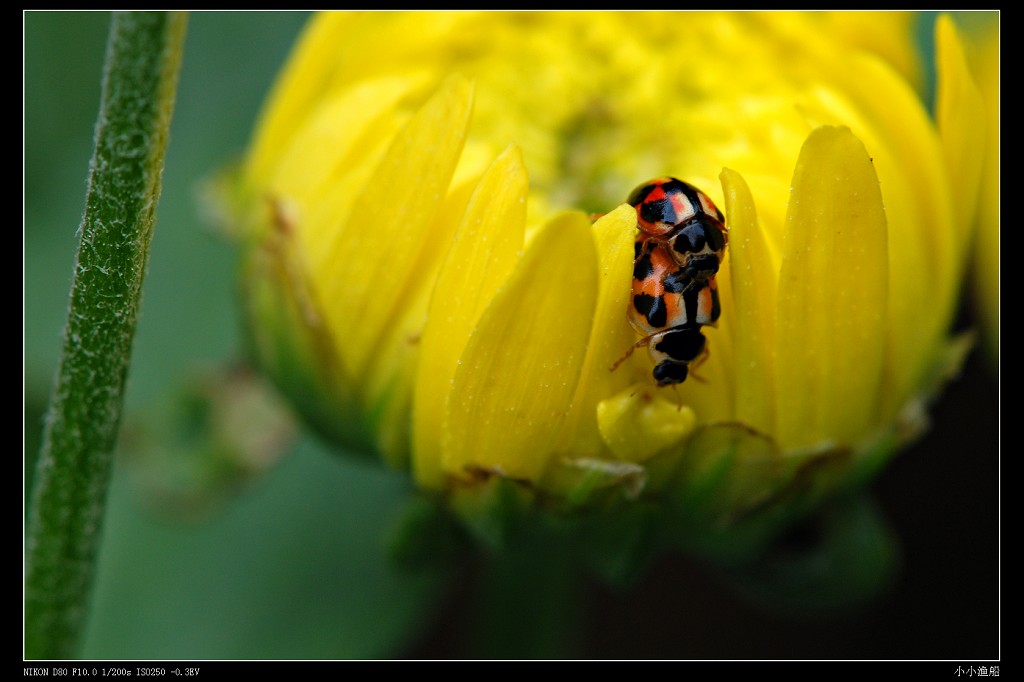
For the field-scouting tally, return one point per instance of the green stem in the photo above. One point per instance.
(139, 81)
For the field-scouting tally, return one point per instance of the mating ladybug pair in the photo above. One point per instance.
(679, 247)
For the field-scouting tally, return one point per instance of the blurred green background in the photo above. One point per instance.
(294, 564)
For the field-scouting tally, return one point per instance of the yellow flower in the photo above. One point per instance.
(422, 279)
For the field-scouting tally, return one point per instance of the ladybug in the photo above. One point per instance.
(679, 246)
(677, 214)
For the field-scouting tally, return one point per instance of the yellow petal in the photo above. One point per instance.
(960, 112)
(388, 247)
(886, 114)
(518, 374)
(486, 247)
(334, 135)
(611, 335)
(297, 90)
(832, 294)
(985, 67)
(329, 159)
(390, 373)
(754, 282)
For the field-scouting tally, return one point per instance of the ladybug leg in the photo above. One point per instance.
(697, 363)
(643, 250)
(639, 344)
(679, 398)
(750, 430)
(695, 284)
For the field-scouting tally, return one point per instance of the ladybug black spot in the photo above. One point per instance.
(660, 211)
(651, 307)
(683, 344)
(642, 268)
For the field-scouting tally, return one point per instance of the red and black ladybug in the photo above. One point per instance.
(679, 247)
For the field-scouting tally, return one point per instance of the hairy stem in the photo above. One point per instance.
(139, 81)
